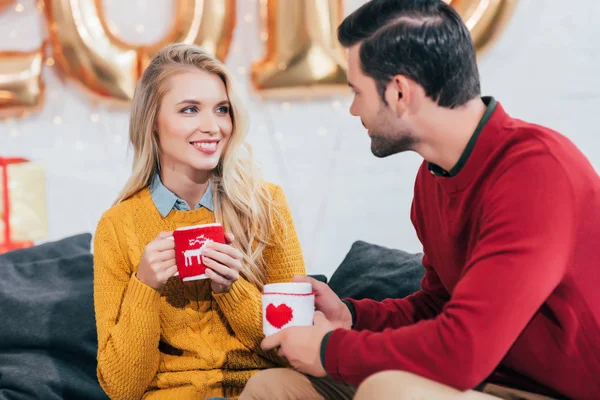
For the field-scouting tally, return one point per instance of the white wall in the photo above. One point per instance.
(544, 69)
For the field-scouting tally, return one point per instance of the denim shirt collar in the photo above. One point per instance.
(165, 200)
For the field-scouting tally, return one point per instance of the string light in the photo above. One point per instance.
(139, 28)
(50, 61)
(262, 129)
(95, 117)
(286, 105)
(19, 7)
(264, 36)
(241, 70)
(248, 18)
(14, 132)
(57, 120)
(336, 104)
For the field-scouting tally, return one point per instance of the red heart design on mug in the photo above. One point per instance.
(280, 315)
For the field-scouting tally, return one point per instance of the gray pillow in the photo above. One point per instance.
(48, 340)
(78, 244)
(375, 272)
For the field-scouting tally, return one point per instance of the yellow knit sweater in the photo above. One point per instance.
(184, 341)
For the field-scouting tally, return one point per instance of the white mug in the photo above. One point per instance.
(287, 304)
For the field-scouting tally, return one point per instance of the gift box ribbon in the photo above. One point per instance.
(4, 163)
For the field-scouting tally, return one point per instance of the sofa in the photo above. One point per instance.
(48, 340)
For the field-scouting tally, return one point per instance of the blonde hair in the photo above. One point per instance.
(242, 203)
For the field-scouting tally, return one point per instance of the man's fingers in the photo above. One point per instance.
(316, 285)
(271, 342)
(319, 318)
(303, 279)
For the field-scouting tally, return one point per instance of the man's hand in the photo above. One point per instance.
(329, 303)
(301, 345)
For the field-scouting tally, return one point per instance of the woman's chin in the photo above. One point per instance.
(207, 165)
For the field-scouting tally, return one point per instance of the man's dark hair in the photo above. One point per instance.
(424, 40)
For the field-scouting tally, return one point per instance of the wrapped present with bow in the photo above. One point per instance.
(23, 216)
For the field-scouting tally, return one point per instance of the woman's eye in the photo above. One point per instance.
(189, 110)
(223, 110)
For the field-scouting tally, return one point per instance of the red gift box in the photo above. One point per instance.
(22, 203)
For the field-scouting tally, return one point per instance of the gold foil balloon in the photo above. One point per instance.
(21, 86)
(485, 19)
(86, 53)
(208, 23)
(303, 55)
(5, 3)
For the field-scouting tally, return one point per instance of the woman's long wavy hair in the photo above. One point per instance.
(242, 203)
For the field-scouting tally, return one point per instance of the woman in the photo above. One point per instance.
(159, 337)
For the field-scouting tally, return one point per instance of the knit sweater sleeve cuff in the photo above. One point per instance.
(324, 347)
(352, 309)
(140, 296)
(240, 291)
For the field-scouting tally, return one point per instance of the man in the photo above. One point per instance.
(509, 217)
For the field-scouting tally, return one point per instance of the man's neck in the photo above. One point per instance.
(446, 132)
(187, 185)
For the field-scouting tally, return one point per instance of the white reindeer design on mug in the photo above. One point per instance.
(189, 254)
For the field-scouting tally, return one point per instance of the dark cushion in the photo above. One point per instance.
(48, 340)
(73, 245)
(320, 278)
(375, 272)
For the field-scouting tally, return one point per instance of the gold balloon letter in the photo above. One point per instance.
(484, 18)
(84, 51)
(303, 54)
(5, 3)
(87, 50)
(208, 23)
(21, 87)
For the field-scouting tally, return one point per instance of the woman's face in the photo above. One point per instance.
(194, 122)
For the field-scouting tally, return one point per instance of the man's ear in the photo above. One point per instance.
(398, 94)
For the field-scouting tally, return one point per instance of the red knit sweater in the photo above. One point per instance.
(512, 286)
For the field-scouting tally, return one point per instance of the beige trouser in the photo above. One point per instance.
(287, 384)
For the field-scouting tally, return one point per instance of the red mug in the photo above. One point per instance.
(189, 244)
